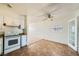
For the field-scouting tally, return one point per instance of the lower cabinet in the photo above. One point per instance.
(1, 45)
(24, 40)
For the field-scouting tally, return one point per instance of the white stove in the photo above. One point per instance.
(11, 39)
(11, 43)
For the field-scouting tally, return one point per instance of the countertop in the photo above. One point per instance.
(2, 33)
(22, 34)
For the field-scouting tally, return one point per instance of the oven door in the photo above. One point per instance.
(11, 42)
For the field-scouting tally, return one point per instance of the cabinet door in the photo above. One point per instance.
(24, 40)
(1, 45)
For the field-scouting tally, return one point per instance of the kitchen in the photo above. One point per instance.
(48, 25)
(13, 34)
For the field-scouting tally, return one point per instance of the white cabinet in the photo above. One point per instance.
(1, 45)
(24, 40)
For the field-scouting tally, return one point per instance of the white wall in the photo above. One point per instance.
(43, 30)
(10, 17)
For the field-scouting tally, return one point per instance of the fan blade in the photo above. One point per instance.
(43, 15)
(45, 19)
(54, 10)
(9, 5)
(51, 19)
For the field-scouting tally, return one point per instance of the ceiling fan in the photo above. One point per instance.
(49, 12)
(49, 16)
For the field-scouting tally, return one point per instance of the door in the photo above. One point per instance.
(72, 40)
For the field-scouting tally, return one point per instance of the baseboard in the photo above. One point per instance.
(47, 40)
(34, 42)
(56, 42)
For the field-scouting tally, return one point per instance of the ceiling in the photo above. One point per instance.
(35, 10)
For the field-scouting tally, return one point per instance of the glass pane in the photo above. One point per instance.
(72, 33)
(12, 42)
